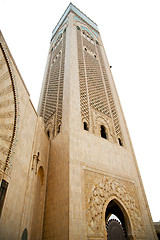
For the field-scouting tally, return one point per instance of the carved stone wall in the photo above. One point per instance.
(99, 191)
(99, 119)
(95, 90)
(50, 126)
(8, 110)
(53, 90)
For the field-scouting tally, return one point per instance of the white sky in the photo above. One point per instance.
(130, 31)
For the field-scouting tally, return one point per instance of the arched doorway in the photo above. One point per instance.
(37, 223)
(117, 222)
(24, 234)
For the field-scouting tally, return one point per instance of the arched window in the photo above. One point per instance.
(25, 234)
(85, 126)
(117, 221)
(48, 134)
(103, 132)
(120, 142)
(59, 129)
(41, 174)
(78, 28)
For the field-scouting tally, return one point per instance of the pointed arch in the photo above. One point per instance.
(116, 207)
(38, 214)
(101, 191)
(41, 174)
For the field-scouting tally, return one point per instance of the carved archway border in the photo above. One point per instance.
(99, 191)
(8, 162)
(126, 215)
(99, 117)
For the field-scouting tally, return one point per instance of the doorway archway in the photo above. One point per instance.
(117, 221)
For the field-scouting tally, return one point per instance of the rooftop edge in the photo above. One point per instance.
(74, 9)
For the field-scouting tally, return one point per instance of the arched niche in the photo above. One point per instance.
(41, 175)
(85, 126)
(103, 132)
(38, 213)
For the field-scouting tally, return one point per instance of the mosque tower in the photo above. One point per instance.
(68, 172)
(92, 171)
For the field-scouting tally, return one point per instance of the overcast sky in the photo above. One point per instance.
(130, 31)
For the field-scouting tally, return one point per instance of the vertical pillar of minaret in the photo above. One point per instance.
(71, 115)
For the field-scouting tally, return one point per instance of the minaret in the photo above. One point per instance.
(92, 170)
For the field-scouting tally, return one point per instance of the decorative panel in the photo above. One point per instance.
(97, 95)
(99, 191)
(53, 89)
(8, 111)
(110, 97)
(95, 91)
(82, 81)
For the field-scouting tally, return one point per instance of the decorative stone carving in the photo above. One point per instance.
(98, 119)
(8, 109)
(99, 188)
(53, 87)
(50, 126)
(111, 102)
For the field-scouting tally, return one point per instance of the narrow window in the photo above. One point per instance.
(120, 142)
(25, 234)
(59, 129)
(103, 132)
(48, 134)
(85, 126)
(3, 190)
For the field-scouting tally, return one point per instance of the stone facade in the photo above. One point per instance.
(24, 149)
(72, 165)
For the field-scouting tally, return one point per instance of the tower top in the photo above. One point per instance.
(72, 8)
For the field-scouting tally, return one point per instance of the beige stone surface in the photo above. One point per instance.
(30, 138)
(56, 218)
(101, 157)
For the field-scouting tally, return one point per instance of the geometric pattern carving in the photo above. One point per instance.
(98, 189)
(50, 126)
(8, 111)
(95, 90)
(82, 82)
(53, 89)
(97, 95)
(110, 97)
